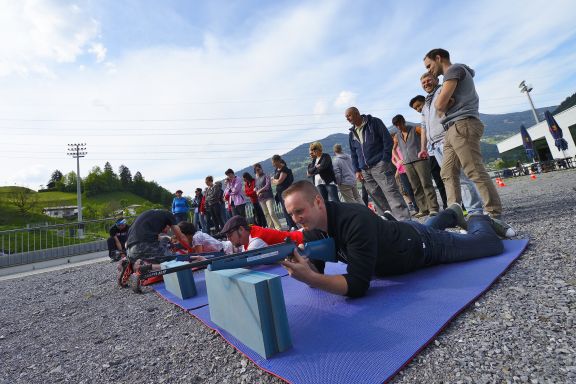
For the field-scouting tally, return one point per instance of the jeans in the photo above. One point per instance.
(443, 247)
(470, 196)
(407, 187)
(181, 216)
(239, 210)
(215, 212)
(259, 218)
(435, 170)
(382, 175)
(200, 222)
(329, 192)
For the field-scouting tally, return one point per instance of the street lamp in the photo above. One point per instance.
(526, 88)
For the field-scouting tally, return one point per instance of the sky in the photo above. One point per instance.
(179, 90)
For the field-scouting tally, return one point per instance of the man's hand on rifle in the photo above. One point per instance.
(300, 267)
(194, 259)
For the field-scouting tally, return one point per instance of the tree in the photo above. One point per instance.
(94, 182)
(110, 179)
(69, 182)
(55, 180)
(23, 200)
(125, 178)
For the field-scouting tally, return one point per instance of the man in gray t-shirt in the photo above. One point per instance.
(457, 105)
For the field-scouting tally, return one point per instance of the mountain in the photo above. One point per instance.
(497, 128)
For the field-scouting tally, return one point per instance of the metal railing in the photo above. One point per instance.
(40, 243)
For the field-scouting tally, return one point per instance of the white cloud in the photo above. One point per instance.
(345, 99)
(34, 35)
(99, 51)
(300, 66)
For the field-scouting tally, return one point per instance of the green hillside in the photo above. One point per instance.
(99, 206)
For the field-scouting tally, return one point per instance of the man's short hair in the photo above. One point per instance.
(303, 186)
(187, 228)
(337, 148)
(428, 74)
(438, 52)
(398, 119)
(419, 98)
(316, 146)
(209, 178)
(229, 171)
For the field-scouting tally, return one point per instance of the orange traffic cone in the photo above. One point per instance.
(502, 184)
(532, 175)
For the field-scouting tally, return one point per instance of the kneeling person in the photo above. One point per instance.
(117, 240)
(372, 246)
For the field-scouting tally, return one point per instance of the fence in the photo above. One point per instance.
(41, 243)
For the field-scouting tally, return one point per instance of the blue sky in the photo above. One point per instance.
(182, 89)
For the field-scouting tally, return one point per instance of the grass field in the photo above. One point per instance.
(11, 217)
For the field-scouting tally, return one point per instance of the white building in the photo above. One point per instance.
(542, 139)
(61, 212)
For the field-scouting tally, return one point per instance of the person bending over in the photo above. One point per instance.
(372, 246)
(117, 240)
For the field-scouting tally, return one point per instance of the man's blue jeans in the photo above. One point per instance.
(443, 247)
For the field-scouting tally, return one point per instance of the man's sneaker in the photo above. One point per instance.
(421, 214)
(433, 213)
(388, 216)
(502, 229)
(460, 220)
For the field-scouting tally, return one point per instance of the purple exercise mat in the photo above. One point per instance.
(368, 340)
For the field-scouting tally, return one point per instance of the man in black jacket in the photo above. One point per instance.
(373, 246)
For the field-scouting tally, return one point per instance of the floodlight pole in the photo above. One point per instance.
(526, 89)
(77, 151)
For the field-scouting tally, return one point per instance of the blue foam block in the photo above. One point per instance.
(368, 340)
(180, 284)
(250, 305)
(201, 298)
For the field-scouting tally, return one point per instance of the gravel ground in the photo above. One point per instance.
(75, 325)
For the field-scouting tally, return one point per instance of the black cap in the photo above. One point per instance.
(179, 191)
(234, 223)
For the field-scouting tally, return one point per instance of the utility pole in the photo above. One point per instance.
(526, 88)
(77, 151)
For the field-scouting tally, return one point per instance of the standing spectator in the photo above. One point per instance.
(344, 174)
(199, 215)
(371, 147)
(213, 195)
(283, 178)
(117, 240)
(321, 166)
(458, 101)
(250, 191)
(411, 141)
(265, 196)
(420, 101)
(435, 135)
(314, 178)
(233, 191)
(402, 179)
(180, 207)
